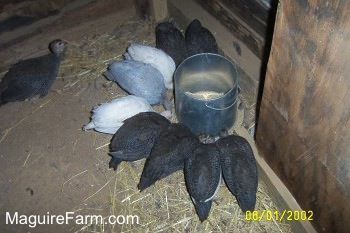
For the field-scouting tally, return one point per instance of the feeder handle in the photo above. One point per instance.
(221, 109)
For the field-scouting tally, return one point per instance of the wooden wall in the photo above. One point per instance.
(71, 22)
(247, 19)
(304, 130)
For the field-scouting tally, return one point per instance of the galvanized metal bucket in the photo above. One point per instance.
(206, 91)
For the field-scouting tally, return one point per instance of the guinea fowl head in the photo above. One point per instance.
(57, 46)
(195, 24)
(165, 26)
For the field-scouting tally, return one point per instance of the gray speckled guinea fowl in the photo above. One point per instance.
(171, 40)
(32, 77)
(239, 169)
(136, 137)
(139, 79)
(203, 176)
(168, 154)
(199, 39)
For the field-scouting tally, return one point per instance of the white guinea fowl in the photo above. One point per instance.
(155, 57)
(109, 117)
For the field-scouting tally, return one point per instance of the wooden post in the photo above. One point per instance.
(303, 129)
(159, 9)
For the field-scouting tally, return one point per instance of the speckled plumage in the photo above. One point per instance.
(202, 176)
(171, 40)
(174, 145)
(136, 137)
(139, 79)
(31, 77)
(199, 39)
(239, 169)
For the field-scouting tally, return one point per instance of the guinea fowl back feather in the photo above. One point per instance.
(109, 117)
(202, 177)
(239, 169)
(31, 77)
(154, 57)
(171, 40)
(174, 145)
(138, 78)
(199, 39)
(136, 137)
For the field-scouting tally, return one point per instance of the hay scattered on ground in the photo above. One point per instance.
(88, 59)
(166, 206)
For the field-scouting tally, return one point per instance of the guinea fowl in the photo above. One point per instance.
(156, 58)
(138, 78)
(33, 76)
(203, 176)
(239, 169)
(171, 40)
(136, 137)
(168, 154)
(199, 39)
(109, 117)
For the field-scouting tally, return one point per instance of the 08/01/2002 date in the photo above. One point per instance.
(288, 215)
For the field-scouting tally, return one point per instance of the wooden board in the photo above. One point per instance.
(247, 20)
(235, 49)
(72, 24)
(159, 9)
(303, 130)
(279, 192)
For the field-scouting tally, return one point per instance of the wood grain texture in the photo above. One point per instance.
(235, 49)
(247, 20)
(159, 9)
(303, 130)
(279, 192)
(92, 18)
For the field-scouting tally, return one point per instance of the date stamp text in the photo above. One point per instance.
(287, 215)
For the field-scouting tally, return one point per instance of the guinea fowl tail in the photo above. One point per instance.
(144, 183)
(108, 75)
(126, 155)
(203, 209)
(2, 102)
(114, 163)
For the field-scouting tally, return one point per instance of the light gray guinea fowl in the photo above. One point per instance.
(136, 137)
(239, 169)
(33, 76)
(139, 79)
(199, 39)
(174, 145)
(156, 58)
(203, 176)
(171, 40)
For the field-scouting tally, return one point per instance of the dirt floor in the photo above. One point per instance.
(50, 166)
